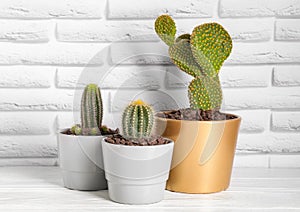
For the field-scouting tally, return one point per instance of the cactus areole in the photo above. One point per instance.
(200, 54)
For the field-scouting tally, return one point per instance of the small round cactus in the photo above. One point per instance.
(137, 120)
(76, 129)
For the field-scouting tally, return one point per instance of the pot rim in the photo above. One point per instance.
(238, 118)
(142, 147)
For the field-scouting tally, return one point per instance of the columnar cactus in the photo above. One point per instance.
(91, 112)
(137, 120)
(201, 55)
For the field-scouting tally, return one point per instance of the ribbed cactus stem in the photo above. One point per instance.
(137, 120)
(91, 110)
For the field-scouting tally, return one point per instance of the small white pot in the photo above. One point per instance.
(136, 174)
(81, 162)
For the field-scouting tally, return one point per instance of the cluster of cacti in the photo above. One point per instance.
(200, 54)
(137, 120)
(91, 112)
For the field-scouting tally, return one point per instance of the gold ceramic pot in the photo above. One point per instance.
(203, 153)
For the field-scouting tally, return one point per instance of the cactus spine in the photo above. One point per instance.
(137, 120)
(201, 55)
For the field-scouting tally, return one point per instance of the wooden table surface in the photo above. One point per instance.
(252, 189)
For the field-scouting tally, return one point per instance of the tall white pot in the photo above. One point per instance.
(81, 162)
(136, 174)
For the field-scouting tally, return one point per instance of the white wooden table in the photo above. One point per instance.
(40, 189)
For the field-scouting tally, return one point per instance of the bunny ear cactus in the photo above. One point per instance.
(137, 120)
(91, 112)
(201, 55)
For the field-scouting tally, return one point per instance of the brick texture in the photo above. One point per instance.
(26, 77)
(47, 54)
(52, 9)
(151, 9)
(24, 31)
(51, 49)
(287, 30)
(286, 121)
(261, 8)
(286, 76)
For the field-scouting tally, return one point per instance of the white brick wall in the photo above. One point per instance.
(50, 47)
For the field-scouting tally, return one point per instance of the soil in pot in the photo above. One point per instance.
(104, 131)
(150, 141)
(195, 115)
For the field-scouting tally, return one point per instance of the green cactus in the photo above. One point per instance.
(200, 55)
(76, 129)
(211, 45)
(205, 93)
(137, 120)
(91, 110)
(182, 56)
(166, 29)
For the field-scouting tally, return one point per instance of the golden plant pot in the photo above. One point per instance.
(203, 153)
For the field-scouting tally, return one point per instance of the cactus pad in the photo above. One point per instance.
(181, 55)
(211, 45)
(205, 93)
(166, 29)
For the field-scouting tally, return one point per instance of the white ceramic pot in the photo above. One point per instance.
(136, 174)
(81, 162)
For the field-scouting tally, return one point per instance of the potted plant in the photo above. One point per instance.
(205, 138)
(137, 164)
(80, 150)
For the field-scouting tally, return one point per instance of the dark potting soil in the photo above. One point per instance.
(104, 131)
(195, 115)
(150, 141)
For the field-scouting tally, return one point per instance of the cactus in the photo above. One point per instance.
(182, 56)
(211, 45)
(166, 29)
(205, 93)
(201, 55)
(76, 129)
(91, 112)
(137, 120)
